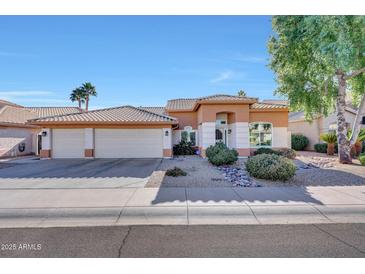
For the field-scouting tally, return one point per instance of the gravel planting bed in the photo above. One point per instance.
(200, 173)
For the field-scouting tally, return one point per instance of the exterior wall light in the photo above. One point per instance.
(166, 133)
(229, 131)
(44, 133)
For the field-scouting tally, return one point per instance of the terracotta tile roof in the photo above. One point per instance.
(116, 115)
(20, 115)
(15, 115)
(52, 111)
(267, 106)
(190, 103)
(225, 97)
(181, 104)
(7, 103)
(276, 102)
(157, 110)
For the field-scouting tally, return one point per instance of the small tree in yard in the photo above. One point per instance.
(317, 59)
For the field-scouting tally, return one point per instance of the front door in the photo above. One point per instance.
(221, 136)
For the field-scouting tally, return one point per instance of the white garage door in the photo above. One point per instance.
(68, 143)
(128, 143)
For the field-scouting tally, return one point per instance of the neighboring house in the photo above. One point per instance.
(17, 137)
(321, 124)
(150, 132)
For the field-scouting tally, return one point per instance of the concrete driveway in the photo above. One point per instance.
(76, 173)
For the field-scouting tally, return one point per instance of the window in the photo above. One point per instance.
(260, 134)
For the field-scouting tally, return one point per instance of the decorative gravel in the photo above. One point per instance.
(200, 173)
(237, 176)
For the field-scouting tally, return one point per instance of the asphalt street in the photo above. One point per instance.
(309, 240)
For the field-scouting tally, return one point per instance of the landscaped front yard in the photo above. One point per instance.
(313, 169)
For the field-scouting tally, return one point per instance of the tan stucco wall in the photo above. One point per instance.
(186, 119)
(325, 122)
(277, 118)
(310, 130)
(11, 137)
(207, 113)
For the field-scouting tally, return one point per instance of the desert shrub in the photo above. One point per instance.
(329, 138)
(299, 141)
(270, 167)
(321, 147)
(184, 148)
(220, 154)
(175, 172)
(288, 153)
(265, 150)
(362, 158)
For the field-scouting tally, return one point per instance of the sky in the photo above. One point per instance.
(133, 60)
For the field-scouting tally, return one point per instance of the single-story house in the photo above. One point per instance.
(242, 123)
(17, 137)
(320, 125)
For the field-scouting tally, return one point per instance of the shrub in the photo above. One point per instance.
(220, 154)
(362, 158)
(321, 147)
(329, 138)
(175, 172)
(288, 153)
(270, 167)
(266, 150)
(184, 148)
(299, 142)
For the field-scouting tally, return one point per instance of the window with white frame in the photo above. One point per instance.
(188, 135)
(260, 134)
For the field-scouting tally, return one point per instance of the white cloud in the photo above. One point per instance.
(223, 76)
(24, 93)
(250, 59)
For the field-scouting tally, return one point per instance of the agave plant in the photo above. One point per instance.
(331, 139)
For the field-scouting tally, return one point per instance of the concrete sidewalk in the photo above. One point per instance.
(181, 206)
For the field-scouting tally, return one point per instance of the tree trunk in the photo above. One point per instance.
(79, 103)
(357, 123)
(344, 147)
(87, 103)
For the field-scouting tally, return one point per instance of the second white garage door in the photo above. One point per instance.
(128, 143)
(68, 143)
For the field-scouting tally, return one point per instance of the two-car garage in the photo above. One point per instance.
(109, 143)
(119, 132)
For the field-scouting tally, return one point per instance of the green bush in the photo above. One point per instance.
(270, 167)
(321, 147)
(299, 142)
(220, 154)
(288, 153)
(175, 172)
(184, 148)
(362, 158)
(265, 150)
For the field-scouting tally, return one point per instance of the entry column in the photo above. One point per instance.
(89, 143)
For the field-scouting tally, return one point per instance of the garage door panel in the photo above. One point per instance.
(128, 143)
(68, 143)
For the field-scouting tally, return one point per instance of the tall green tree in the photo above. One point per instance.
(78, 95)
(317, 59)
(241, 93)
(88, 90)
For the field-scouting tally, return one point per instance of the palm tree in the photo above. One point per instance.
(78, 95)
(88, 90)
(241, 93)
